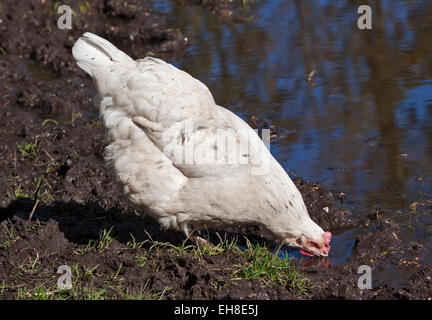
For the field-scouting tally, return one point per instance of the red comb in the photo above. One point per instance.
(327, 237)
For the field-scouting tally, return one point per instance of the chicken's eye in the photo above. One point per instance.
(313, 244)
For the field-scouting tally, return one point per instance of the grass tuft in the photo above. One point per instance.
(264, 265)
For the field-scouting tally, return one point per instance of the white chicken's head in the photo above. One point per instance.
(296, 229)
(310, 239)
(315, 247)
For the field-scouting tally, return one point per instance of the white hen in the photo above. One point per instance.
(170, 150)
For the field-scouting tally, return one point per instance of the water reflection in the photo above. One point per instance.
(366, 127)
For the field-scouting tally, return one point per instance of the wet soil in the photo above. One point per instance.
(236, 10)
(52, 169)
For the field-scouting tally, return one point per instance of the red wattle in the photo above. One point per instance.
(306, 253)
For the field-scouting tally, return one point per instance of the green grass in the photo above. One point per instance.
(94, 294)
(105, 240)
(224, 245)
(78, 292)
(34, 227)
(83, 6)
(142, 261)
(264, 265)
(141, 294)
(134, 245)
(3, 287)
(196, 251)
(27, 150)
(115, 277)
(49, 121)
(75, 117)
(179, 250)
(88, 271)
(10, 237)
(29, 266)
(18, 192)
(385, 253)
(100, 245)
(261, 263)
(93, 282)
(118, 271)
(40, 293)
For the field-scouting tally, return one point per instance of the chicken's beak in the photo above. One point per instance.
(321, 248)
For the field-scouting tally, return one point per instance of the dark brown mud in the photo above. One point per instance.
(51, 167)
(236, 10)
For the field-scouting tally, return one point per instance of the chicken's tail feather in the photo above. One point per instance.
(93, 52)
